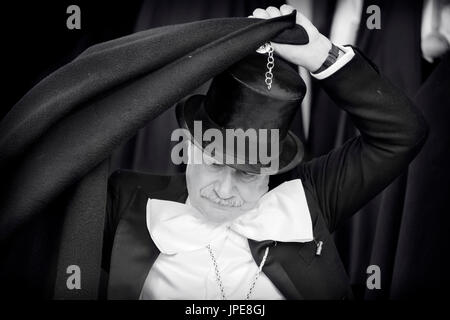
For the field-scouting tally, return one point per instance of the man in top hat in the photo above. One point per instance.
(220, 231)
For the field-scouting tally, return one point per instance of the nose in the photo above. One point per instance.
(224, 186)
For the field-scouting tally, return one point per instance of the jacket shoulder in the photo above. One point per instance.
(126, 186)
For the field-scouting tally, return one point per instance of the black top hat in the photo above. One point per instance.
(240, 98)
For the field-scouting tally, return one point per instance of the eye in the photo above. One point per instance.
(215, 166)
(247, 177)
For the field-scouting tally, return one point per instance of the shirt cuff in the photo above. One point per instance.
(342, 61)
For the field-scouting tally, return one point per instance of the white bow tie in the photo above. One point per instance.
(281, 214)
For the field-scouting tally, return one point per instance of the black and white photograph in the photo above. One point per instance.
(252, 150)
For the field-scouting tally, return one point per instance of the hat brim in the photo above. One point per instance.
(190, 110)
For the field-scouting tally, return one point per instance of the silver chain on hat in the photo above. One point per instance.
(219, 279)
(270, 65)
(267, 48)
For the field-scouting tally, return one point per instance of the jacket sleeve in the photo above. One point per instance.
(392, 131)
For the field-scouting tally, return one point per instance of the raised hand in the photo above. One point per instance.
(312, 55)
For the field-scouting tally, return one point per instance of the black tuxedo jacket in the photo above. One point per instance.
(336, 185)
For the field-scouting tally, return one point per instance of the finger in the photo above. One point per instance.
(275, 46)
(261, 14)
(250, 17)
(302, 20)
(286, 9)
(273, 12)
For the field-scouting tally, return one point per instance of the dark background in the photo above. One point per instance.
(405, 230)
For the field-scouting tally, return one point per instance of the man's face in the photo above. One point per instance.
(220, 192)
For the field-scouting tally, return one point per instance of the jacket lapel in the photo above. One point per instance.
(134, 252)
(274, 270)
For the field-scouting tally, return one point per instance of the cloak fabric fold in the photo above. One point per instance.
(72, 120)
(82, 236)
